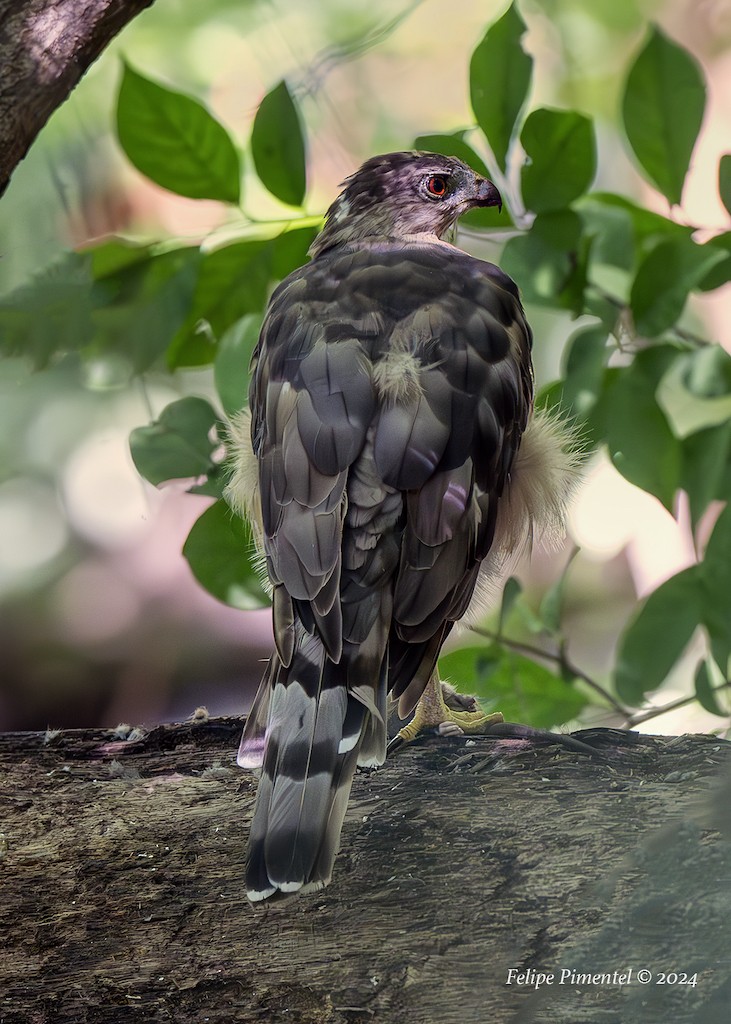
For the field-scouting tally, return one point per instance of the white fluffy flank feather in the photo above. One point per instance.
(242, 490)
(544, 478)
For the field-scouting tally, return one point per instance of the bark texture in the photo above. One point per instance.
(121, 897)
(45, 48)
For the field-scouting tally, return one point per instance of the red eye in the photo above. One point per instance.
(437, 186)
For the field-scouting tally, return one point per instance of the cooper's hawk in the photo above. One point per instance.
(390, 467)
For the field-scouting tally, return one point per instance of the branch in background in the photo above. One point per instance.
(560, 658)
(45, 48)
(680, 332)
(645, 716)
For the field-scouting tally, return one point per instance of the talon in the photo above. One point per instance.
(451, 713)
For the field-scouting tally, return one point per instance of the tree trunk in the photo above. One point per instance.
(45, 48)
(122, 866)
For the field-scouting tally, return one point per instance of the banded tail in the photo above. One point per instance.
(308, 734)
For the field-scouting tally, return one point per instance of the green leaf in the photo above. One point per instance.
(584, 360)
(500, 76)
(454, 145)
(628, 410)
(175, 141)
(606, 219)
(706, 461)
(706, 693)
(512, 590)
(612, 229)
(649, 227)
(140, 306)
(527, 619)
(278, 147)
(523, 690)
(231, 368)
(549, 397)
(714, 576)
(115, 254)
(663, 106)
(720, 274)
(695, 391)
(561, 158)
(708, 372)
(549, 261)
(658, 635)
(551, 608)
(219, 550)
(178, 444)
(234, 281)
(290, 250)
(214, 484)
(51, 314)
(664, 280)
(724, 180)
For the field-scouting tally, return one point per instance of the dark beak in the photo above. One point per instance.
(487, 194)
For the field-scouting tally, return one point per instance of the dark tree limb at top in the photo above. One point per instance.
(122, 862)
(45, 48)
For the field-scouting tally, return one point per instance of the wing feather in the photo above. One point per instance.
(391, 386)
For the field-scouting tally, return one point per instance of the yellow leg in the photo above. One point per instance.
(442, 708)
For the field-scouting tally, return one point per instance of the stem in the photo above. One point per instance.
(645, 716)
(690, 336)
(560, 658)
(142, 380)
(306, 218)
(680, 332)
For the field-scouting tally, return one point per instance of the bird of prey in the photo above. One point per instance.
(390, 465)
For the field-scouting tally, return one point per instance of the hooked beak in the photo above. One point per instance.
(487, 194)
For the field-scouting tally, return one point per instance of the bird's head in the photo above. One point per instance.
(400, 195)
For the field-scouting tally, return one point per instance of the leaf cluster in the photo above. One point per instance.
(656, 396)
(173, 304)
(642, 385)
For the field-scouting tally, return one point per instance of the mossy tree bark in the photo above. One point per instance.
(122, 900)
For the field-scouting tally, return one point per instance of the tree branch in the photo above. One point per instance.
(123, 863)
(45, 48)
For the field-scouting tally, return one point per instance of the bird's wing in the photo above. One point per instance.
(448, 444)
(312, 402)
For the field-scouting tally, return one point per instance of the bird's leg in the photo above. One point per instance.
(451, 713)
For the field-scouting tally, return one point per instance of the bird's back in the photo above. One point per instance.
(391, 386)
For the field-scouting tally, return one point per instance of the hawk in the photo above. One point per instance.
(390, 464)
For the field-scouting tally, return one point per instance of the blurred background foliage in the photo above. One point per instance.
(189, 171)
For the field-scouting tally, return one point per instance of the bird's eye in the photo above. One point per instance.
(437, 186)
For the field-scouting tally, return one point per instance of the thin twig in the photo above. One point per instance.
(680, 332)
(692, 337)
(645, 716)
(560, 658)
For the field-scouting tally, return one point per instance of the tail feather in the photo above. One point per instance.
(340, 792)
(310, 750)
(253, 739)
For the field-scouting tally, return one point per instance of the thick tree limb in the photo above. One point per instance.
(121, 894)
(45, 48)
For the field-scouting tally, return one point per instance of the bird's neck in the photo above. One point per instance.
(344, 226)
(348, 223)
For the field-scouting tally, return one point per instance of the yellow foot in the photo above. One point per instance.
(449, 712)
